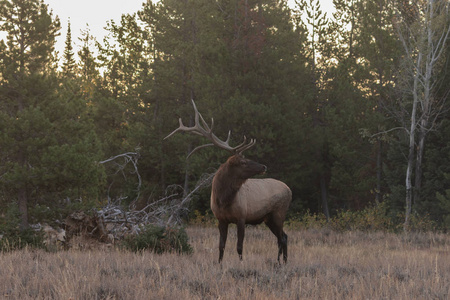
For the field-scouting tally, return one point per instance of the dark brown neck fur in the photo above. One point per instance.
(225, 186)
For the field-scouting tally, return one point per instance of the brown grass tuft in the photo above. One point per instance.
(321, 265)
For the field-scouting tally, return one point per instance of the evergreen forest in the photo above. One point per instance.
(351, 111)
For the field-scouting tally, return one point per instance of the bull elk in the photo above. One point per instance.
(238, 199)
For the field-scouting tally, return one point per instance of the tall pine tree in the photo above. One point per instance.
(26, 87)
(47, 150)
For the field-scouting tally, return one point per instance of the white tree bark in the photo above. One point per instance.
(424, 42)
(412, 141)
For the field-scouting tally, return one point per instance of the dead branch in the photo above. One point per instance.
(205, 180)
(128, 157)
(166, 211)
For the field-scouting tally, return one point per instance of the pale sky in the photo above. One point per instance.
(97, 12)
(93, 12)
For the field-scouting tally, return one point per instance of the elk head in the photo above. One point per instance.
(243, 168)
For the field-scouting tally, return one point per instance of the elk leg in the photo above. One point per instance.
(223, 230)
(284, 245)
(277, 230)
(240, 234)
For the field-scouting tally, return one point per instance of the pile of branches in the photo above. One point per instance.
(115, 221)
(167, 211)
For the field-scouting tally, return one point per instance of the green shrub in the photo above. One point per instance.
(159, 239)
(202, 220)
(307, 221)
(418, 223)
(371, 218)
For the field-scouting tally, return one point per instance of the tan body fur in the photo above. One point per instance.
(255, 201)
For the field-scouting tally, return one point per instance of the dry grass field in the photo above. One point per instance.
(321, 265)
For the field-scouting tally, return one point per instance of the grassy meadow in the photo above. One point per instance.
(322, 264)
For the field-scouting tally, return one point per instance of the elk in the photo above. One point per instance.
(236, 197)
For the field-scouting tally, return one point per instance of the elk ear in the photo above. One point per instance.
(234, 160)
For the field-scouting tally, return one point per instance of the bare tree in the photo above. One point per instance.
(423, 28)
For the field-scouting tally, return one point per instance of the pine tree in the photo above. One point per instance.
(88, 66)
(69, 64)
(48, 147)
(316, 21)
(26, 87)
(360, 82)
(226, 56)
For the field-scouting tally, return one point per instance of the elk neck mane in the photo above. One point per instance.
(225, 186)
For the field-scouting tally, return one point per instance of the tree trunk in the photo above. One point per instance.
(186, 173)
(324, 196)
(378, 195)
(424, 45)
(408, 184)
(419, 160)
(23, 208)
(412, 145)
(409, 174)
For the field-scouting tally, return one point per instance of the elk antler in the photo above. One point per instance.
(206, 131)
